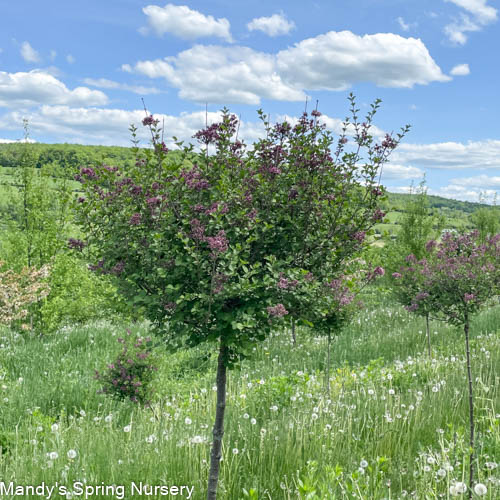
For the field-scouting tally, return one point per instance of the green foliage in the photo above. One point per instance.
(487, 221)
(76, 295)
(39, 201)
(201, 241)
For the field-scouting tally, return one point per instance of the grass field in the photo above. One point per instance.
(394, 426)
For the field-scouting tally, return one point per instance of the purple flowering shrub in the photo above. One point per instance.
(199, 241)
(458, 276)
(130, 375)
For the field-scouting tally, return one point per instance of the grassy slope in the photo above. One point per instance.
(391, 406)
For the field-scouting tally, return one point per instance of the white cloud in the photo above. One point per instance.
(222, 75)
(464, 193)
(111, 126)
(29, 54)
(103, 83)
(181, 21)
(479, 14)
(10, 141)
(38, 87)
(70, 59)
(275, 25)
(333, 61)
(478, 181)
(451, 155)
(404, 26)
(336, 60)
(395, 172)
(53, 55)
(460, 70)
(478, 8)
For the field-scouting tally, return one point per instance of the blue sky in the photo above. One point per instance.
(77, 72)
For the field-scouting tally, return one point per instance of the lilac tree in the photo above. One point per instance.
(460, 276)
(200, 241)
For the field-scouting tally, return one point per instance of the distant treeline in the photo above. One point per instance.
(68, 156)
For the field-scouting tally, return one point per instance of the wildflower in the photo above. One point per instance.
(246, 416)
(127, 428)
(253, 421)
(441, 473)
(54, 427)
(363, 464)
(197, 439)
(235, 451)
(458, 488)
(188, 421)
(480, 489)
(392, 392)
(71, 454)
(53, 455)
(108, 418)
(151, 439)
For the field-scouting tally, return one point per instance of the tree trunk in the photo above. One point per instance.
(471, 406)
(218, 431)
(327, 372)
(294, 337)
(428, 335)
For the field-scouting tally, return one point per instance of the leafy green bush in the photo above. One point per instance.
(77, 295)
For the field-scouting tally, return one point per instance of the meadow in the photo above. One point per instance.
(393, 426)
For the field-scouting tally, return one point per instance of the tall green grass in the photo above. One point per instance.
(394, 425)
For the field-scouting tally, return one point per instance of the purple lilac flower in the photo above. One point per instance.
(135, 220)
(278, 311)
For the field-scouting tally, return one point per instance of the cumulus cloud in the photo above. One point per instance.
(450, 155)
(336, 60)
(464, 193)
(400, 172)
(460, 70)
(111, 126)
(104, 83)
(275, 25)
(37, 87)
(186, 23)
(222, 75)
(333, 61)
(478, 181)
(479, 14)
(29, 54)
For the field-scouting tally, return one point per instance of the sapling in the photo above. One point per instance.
(460, 276)
(199, 241)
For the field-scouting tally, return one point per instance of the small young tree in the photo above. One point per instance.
(460, 276)
(418, 227)
(200, 241)
(486, 220)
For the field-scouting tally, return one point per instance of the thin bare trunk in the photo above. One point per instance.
(471, 407)
(218, 431)
(328, 365)
(428, 335)
(294, 337)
